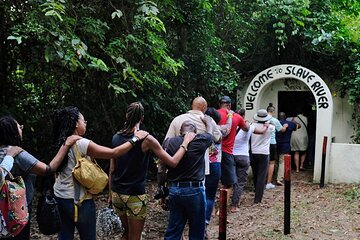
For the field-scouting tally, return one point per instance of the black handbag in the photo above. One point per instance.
(48, 215)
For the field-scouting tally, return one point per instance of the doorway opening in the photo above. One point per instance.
(293, 102)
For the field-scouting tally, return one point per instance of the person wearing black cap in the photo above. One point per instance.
(228, 166)
(260, 150)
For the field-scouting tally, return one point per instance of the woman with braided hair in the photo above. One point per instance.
(128, 172)
(26, 165)
(68, 121)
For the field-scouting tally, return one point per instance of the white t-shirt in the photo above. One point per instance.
(260, 143)
(241, 143)
(64, 183)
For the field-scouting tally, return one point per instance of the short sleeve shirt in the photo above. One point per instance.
(278, 127)
(283, 138)
(260, 143)
(23, 163)
(191, 167)
(64, 183)
(241, 144)
(237, 121)
(195, 116)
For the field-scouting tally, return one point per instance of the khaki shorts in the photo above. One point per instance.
(132, 206)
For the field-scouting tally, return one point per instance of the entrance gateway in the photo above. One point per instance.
(323, 99)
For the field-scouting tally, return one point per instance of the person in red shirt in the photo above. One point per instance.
(228, 166)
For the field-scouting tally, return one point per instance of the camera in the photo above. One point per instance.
(161, 192)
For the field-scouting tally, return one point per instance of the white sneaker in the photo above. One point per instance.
(270, 186)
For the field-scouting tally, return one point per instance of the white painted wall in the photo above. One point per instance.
(342, 121)
(343, 161)
(344, 164)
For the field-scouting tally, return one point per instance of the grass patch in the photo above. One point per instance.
(352, 194)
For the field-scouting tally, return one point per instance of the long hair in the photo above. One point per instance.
(9, 132)
(134, 114)
(64, 124)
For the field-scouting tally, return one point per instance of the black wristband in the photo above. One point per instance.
(133, 140)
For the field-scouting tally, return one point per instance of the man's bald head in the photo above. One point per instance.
(199, 103)
(282, 116)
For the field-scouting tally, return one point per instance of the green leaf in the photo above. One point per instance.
(17, 38)
(54, 13)
(117, 13)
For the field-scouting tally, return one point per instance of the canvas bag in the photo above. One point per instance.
(88, 173)
(13, 205)
(107, 222)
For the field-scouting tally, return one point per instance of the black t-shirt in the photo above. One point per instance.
(192, 166)
(130, 169)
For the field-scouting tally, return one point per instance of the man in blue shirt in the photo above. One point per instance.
(283, 143)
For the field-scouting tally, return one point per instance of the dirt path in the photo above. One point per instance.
(315, 214)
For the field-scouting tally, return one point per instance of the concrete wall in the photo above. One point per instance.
(343, 127)
(344, 161)
(344, 164)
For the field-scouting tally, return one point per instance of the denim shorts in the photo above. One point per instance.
(133, 206)
(228, 169)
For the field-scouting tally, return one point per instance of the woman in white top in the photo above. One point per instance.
(242, 160)
(69, 121)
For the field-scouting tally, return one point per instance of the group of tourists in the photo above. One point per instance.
(202, 147)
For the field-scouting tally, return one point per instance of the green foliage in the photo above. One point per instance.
(352, 194)
(102, 55)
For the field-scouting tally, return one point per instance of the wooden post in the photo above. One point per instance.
(222, 214)
(287, 191)
(323, 160)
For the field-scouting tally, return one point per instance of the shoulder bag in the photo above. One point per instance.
(89, 174)
(48, 215)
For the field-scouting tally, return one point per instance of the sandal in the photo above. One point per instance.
(234, 209)
(279, 183)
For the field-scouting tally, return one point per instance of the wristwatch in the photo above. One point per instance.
(133, 140)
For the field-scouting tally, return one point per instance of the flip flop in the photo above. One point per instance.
(279, 183)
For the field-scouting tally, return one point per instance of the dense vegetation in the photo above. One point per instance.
(102, 55)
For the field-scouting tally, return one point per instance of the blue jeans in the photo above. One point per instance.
(242, 166)
(86, 224)
(211, 185)
(186, 204)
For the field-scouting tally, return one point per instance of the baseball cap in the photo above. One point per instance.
(225, 99)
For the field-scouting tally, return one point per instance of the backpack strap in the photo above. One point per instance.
(302, 121)
(77, 200)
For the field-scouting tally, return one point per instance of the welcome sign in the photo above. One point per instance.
(324, 102)
(311, 79)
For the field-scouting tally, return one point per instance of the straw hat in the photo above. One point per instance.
(262, 116)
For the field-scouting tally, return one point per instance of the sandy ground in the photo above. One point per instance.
(332, 212)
